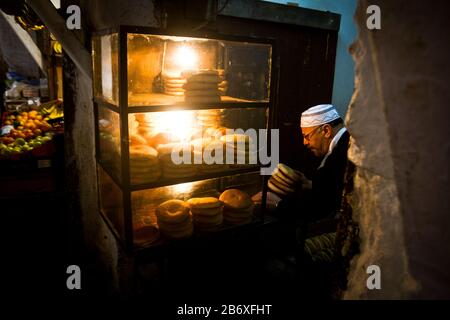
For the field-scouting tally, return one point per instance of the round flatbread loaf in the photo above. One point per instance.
(276, 189)
(172, 211)
(200, 86)
(143, 152)
(208, 212)
(204, 203)
(289, 172)
(201, 93)
(235, 199)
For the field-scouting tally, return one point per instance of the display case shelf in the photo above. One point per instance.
(203, 238)
(199, 177)
(225, 103)
(160, 99)
(153, 91)
(168, 182)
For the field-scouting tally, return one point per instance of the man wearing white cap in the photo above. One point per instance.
(326, 137)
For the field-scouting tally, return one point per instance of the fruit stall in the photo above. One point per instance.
(30, 141)
(31, 112)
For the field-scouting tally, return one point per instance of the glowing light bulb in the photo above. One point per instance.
(186, 58)
(181, 188)
(178, 124)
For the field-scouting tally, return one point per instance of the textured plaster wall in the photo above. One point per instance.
(97, 236)
(398, 119)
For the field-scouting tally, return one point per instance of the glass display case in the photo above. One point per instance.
(179, 118)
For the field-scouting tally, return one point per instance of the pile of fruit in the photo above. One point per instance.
(22, 132)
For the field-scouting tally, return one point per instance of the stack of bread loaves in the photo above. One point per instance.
(144, 164)
(206, 213)
(171, 169)
(238, 207)
(209, 118)
(240, 148)
(146, 123)
(201, 86)
(145, 229)
(209, 155)
(174, 219)
(133, 124)
(283, 180)
(173, 84)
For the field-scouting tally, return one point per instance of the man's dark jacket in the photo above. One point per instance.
(327, 185)
(328, 181)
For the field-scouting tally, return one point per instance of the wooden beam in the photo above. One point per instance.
(57, 26)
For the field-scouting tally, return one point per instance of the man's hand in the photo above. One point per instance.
(305, 183)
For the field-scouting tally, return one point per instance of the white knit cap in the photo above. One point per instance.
(318, 115)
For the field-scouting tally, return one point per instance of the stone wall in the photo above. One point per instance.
(104, 252)
(399, 124)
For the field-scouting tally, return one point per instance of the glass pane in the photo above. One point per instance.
(111, 201)
(185, 144)
(164, 70)
(105, 66)
(109, 140)
(148, 229)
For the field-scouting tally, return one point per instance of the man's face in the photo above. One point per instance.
(317, 139)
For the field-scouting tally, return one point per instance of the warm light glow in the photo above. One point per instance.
(178, 124)
(181, 188)
(186, 58)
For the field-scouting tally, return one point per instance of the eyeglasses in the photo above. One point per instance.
(308, 136)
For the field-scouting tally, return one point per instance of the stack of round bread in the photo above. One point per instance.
(146, 123)
(146, 129)
(172, 170)
(214, 132)
(132, 124)
(283, 180)
(207, 147)
(201, 86)
(173, 84)
(144, 164)
(136, 139)
(210, 150)
(145, 229)
(198, 146)
(240, 148)
(209, 118)
(174, 219)
(238, 206)
(206, 213)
